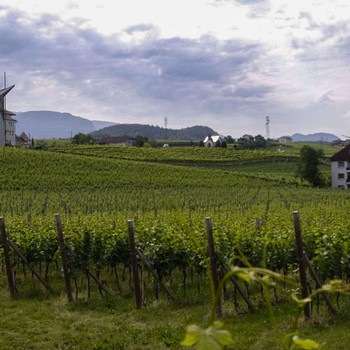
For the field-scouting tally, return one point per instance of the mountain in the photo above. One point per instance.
(99, 124)
(155, 132)
(49, 124)
(317, 137)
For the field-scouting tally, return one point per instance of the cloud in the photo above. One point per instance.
(136, 75)
(143, 27)
(194, 73)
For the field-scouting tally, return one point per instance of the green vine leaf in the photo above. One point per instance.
(306, 344)
(212, 338)
(192, 336)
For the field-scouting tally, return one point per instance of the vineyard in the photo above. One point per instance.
(97, 189)
(96, 195)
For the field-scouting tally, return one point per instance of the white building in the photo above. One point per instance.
(7, 123)
(210, 141)
(340, 163)
(285, 139)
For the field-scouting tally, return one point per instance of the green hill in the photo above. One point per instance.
(197, 132)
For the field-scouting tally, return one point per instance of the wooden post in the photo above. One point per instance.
(134, 267)
(212, 257)
(301, 263)
(61, 245)
(5, 244)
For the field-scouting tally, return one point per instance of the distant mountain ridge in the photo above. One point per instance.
(317, 137)
(49, 124)
(197, 132)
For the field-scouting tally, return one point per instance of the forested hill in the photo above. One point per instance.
(155, 132)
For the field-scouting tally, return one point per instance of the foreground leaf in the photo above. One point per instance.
(306, 344)
(211, 338)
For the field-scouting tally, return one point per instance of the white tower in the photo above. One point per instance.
(267, 124)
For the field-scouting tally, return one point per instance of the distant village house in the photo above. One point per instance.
(23, 140)
(248, 137)
(285, 139)
(211, 141)
(117, 141)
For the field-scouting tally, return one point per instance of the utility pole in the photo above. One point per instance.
(267, 124)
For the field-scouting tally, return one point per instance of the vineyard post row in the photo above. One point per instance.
(302, 260)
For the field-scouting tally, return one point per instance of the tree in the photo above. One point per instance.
(141, 140)
(83, 139)
(308, 168)
(260, 141)
(217, 143)
(229, 139)
(246, 143)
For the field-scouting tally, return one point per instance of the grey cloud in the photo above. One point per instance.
(176, 77)
(326, 99)
(143, 27)
(331, 42)
(253, 92)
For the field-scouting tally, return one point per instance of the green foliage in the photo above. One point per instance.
(155, 132)
(229, 139)
(212, 338)
(306, 344)
(308, 168)
(96, 189)
(141, 140)
(83, 139)
(100, 188)
(256, 142)
(215, 337)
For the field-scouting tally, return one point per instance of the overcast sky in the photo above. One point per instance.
(226, 64)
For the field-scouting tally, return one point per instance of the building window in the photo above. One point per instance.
(341, 186)
(341, 176)
(341, 164)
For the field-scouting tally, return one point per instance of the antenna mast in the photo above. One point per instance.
(166, 122)
(267, 127)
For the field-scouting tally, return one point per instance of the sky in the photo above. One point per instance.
(226, 64)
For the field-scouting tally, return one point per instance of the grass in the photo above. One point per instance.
(112, 322)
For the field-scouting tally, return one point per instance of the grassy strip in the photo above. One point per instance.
(114, 323)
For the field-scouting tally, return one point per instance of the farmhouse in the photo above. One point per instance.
(210, 141)
(23, 140)
(7, 123)
(117, 141)
(285, 139)
(340, 163)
